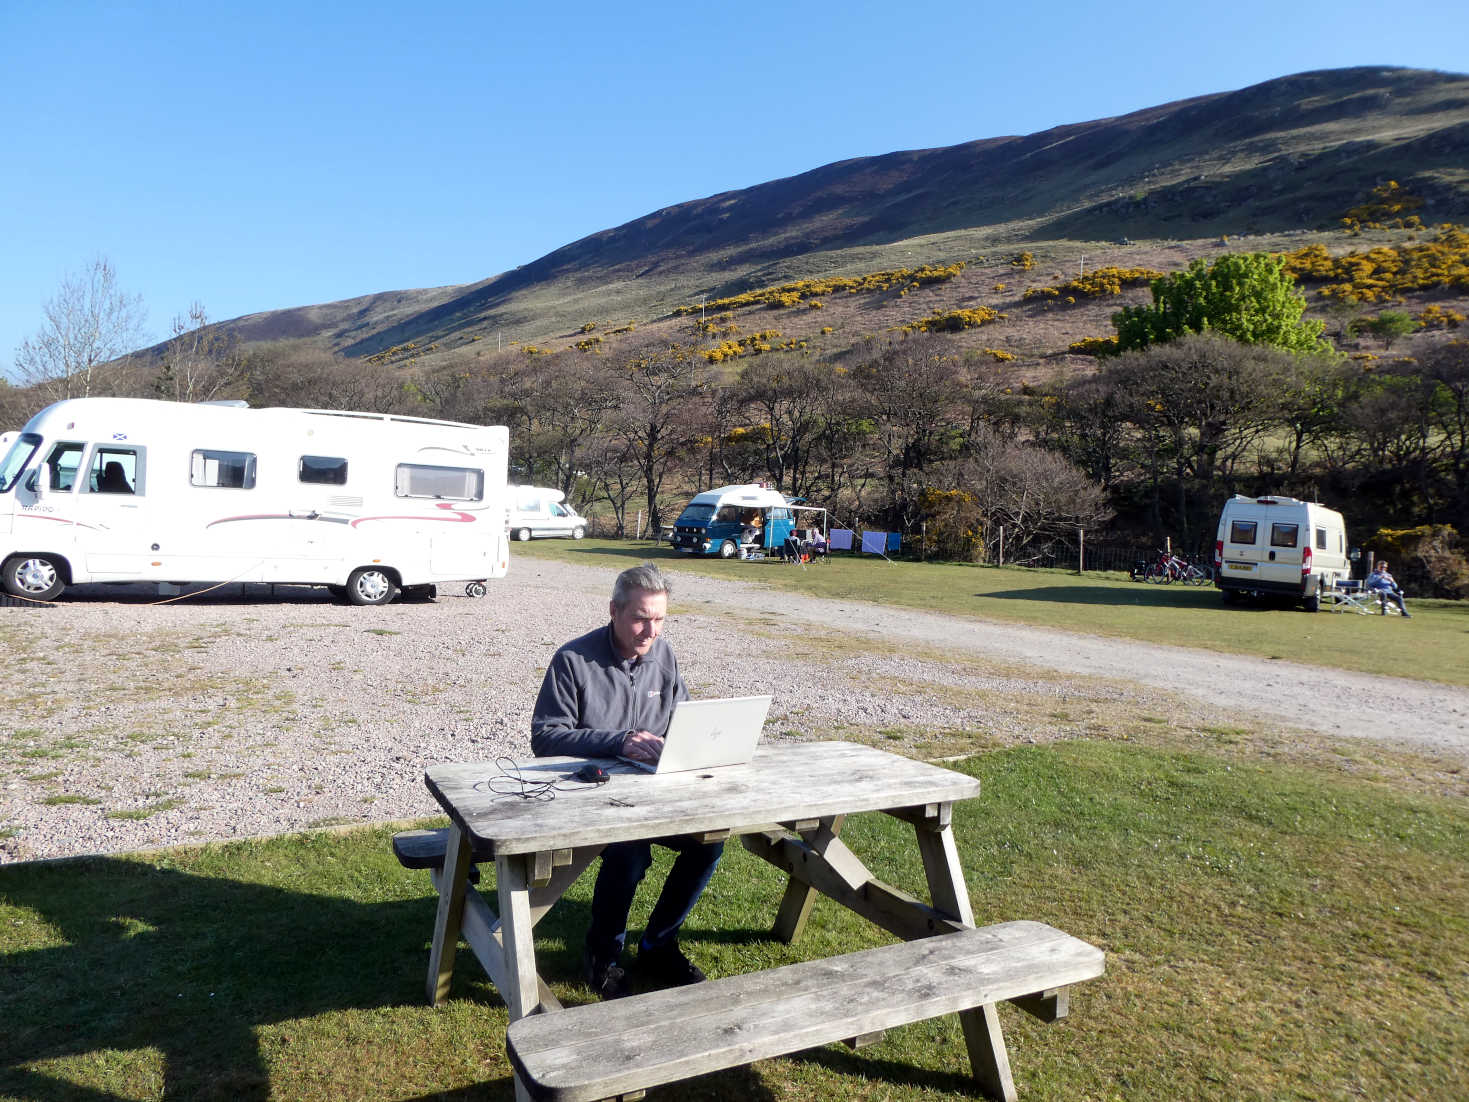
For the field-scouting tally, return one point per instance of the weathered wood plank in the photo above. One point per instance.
(449, 916)
(512, 878)
(944, 873)
(892, 909)
(783, 783)
(603, 1049)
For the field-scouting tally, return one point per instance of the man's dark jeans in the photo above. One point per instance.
(623, 866)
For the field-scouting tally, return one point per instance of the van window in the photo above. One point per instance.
(323, 470)
(728, 514)
(115, 470)
(63, 462)
(1243, 531)
(458, 483)
(1321, 539)
(1284, 535)
(696, 515)
(16, 459)
(231, 470)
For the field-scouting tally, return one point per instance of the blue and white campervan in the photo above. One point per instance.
(734, 522)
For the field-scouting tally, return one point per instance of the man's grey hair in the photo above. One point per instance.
(646, 577)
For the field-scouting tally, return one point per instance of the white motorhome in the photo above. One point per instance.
(540, 511)
(1280, 545)
(134, 490)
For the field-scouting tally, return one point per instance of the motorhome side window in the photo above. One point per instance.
(233, 470)
(323, 470)
(457, 483)
(1321, 539)
(1242, 531)
(1284, 535)
(529, 505)
(114, 470)
(728, 514)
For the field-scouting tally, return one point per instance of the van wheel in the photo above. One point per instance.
(728, 549)
(523, 535)
(33, 577)
(369, 585)
(578, 532)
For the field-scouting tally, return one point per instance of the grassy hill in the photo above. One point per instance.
(1270, 167)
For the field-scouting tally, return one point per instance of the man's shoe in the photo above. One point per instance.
(605, 977)
(667, 966)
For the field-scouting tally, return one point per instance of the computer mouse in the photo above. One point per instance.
(592, 773)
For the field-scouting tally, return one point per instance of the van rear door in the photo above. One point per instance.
(1242, 552)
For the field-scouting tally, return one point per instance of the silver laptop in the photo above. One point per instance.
(705, 734)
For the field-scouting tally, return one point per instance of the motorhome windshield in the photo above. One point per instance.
(16, 459)
(696, 514)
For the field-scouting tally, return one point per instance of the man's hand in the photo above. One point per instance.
(643, 746)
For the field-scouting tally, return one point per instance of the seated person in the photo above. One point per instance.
(1381, 583)
(611, 693)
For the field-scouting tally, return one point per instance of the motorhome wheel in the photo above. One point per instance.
(523, 535)
(370, 586)
(578, 532)
(35, 577)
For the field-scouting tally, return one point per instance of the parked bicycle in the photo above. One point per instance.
(1174, 568)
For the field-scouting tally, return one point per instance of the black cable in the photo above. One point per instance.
(511, 782)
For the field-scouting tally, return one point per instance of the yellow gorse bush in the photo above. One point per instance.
(952, 321)
(1095, 346)
(1388, 272)
(1097, 283)
(805, 290)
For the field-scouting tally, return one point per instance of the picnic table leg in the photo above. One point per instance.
(453, 882)
(517, 936)
(795, 904)
(982, 1036)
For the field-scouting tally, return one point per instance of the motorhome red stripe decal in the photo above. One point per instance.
(58, 520)
(456, 516)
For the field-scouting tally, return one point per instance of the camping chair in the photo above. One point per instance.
(793, 550)
(1350, 596)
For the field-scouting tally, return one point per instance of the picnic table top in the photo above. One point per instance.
(783, 782)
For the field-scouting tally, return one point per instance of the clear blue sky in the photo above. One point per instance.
(259, 156)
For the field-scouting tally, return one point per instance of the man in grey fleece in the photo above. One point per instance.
(610, 693)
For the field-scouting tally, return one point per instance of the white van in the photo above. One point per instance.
(1280, 545)
(539, 511)
(135, 490)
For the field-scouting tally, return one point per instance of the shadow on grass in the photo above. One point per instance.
(191, 966)
(1141, 595)
(197, 967)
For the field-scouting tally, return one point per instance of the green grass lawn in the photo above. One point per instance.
(1271, 932)
(1433, 645)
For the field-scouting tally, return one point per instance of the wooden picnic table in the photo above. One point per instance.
(788, 805)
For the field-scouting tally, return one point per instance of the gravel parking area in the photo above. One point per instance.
(131, 724)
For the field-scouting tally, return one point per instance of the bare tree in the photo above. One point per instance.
(199, 361)
(659, 415)
(89, 323)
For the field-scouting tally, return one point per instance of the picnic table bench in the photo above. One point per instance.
(788, 807)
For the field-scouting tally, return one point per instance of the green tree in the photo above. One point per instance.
(1248, 297)
(1387, 327)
